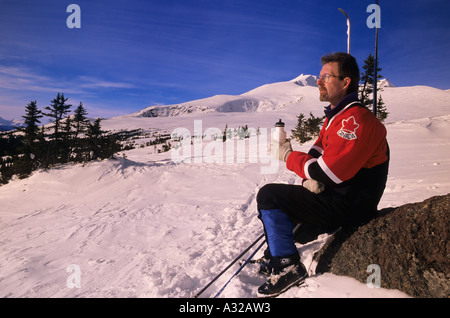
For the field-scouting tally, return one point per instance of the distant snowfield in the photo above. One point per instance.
(142, 225)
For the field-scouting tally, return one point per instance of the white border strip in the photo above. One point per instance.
(343, 109)
(328, 172)
(305, 168)
(318, 149)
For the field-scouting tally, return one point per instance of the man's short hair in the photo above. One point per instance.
(348, 67)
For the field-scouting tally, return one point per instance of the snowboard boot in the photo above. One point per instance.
(286, 272)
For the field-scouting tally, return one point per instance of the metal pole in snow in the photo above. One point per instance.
(375, 73)
(348, 29)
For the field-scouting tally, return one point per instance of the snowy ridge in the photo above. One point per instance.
(301, 95)
(221, 103)
(142, 225)
(9, 124)
(259, 99)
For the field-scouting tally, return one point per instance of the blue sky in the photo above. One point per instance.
(130, 54)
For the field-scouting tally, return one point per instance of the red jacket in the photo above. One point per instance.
(348, 154)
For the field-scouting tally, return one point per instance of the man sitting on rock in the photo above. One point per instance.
(344, 175)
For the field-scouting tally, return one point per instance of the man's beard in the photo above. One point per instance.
(323, 95)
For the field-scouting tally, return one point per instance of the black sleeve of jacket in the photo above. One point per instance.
(314, 153)
(316, 173)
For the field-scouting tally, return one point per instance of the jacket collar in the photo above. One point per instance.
(350, 98)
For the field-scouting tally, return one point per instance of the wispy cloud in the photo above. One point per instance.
(93, 82)
(19, 85)
(12, 77)
(22, 78)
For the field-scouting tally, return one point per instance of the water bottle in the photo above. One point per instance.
(278, 138)
(279, 134)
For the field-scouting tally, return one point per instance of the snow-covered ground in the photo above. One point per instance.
(146, 225)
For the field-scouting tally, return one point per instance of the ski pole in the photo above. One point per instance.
(231, 264)
(240, 268)
(294, 231)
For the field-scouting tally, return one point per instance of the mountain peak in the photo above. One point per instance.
(305, 80)
(385, 83)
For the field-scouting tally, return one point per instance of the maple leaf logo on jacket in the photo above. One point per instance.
(348, 129)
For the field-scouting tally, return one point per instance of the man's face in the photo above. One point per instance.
(335, 89)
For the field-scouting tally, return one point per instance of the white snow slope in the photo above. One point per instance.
(147, 225)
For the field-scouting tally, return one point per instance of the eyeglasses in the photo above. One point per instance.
(326, 77)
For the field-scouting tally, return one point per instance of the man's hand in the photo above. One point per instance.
(314, 186)
(281, 151)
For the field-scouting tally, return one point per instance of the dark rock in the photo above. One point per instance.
(409, 244)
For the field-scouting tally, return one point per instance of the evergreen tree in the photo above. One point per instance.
(57, 110)
(67, 140)
(31, 130)
(226, 133)
(299, 132)
(367, 81)
(81, 122)
(93, 139)
(44, 149)
(381, 110)
(30, 149)
(366, 89)
(313, 125)
(95, 130)
(11, 150)
(100, 144)
(74, 138)
(307, 129)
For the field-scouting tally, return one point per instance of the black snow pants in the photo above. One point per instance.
(317, 213)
